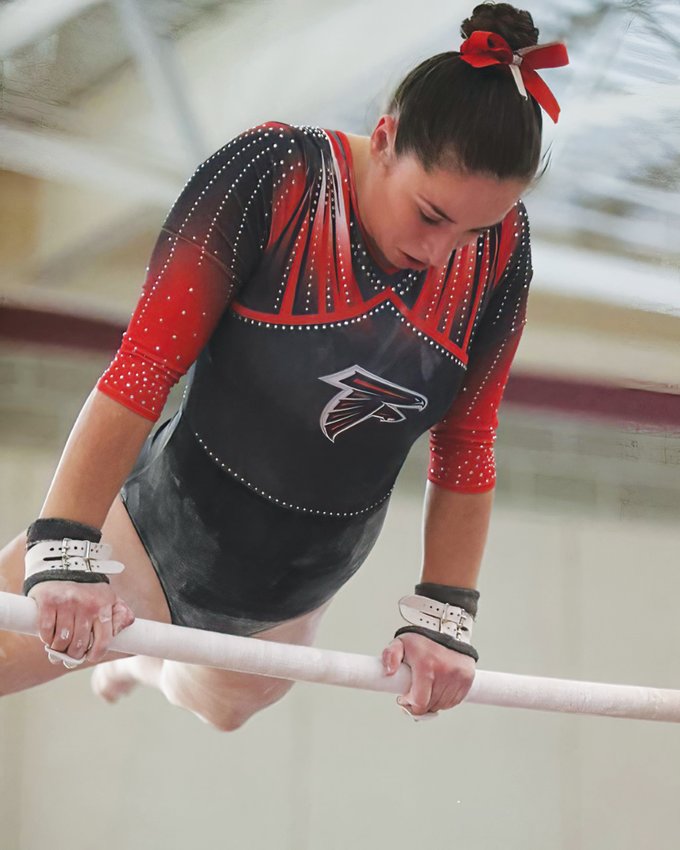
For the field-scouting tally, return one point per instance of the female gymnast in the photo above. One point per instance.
(332, 297)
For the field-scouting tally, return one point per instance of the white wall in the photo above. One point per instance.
(333, 768)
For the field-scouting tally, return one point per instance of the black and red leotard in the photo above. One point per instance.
(312, 371)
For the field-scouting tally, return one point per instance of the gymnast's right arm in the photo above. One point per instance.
(209, 243)
(98, 456)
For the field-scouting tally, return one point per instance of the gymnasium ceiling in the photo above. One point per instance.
(610, 195)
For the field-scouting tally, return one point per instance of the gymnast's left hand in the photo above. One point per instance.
(440, 677)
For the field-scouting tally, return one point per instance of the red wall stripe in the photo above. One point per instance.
(571, 396)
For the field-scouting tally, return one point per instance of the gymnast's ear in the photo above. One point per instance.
(383, 139)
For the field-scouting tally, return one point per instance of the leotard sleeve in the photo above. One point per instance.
(208, 245)
(461, 444)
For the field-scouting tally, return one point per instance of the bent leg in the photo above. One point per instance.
(222, 698)
(226, 699)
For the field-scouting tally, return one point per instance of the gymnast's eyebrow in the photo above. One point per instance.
(445, 216)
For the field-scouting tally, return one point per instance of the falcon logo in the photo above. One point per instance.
(364, 396)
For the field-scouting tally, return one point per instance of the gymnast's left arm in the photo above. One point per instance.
(455, 529)
(436, 643)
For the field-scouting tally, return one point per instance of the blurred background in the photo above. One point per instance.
(105, 110)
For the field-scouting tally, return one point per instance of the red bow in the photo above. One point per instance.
(488, 48)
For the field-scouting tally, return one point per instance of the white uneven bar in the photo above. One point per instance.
(308, 664)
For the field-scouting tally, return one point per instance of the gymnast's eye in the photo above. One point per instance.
(429, 220)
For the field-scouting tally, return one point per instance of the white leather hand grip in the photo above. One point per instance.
(437, 616)
(69, 554)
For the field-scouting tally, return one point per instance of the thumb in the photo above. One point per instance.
(122, 616)
(392, 656)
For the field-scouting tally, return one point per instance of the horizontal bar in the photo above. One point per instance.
(309, 664)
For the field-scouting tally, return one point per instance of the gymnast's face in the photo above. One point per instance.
(417, 218)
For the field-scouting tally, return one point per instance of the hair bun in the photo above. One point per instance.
(515, 25)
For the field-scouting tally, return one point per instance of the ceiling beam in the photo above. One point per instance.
(56, 156)
(24, 22)
(564, 218)
(155, 58)
(577, 273)
(647, 101)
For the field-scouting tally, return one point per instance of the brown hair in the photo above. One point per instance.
(474, 119)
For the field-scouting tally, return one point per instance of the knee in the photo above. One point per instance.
(226, 721)
(231, 712)
(224, 708)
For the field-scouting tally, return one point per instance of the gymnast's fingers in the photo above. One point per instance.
(102, 635)
(63, 632)
(419, 696)
(82, 630)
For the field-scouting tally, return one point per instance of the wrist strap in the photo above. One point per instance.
(444, 640)
(81, 559)
(64, 575)
(443, 614)
(439, 617)
(53, 528)
(71, 555)
(463, 597)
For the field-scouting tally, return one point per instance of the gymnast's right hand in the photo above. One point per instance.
(78, 619)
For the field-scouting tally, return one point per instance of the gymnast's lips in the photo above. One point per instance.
(414, 263)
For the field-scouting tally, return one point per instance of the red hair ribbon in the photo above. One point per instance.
(488, 48)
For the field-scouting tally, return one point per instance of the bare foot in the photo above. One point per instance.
(114, 679)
